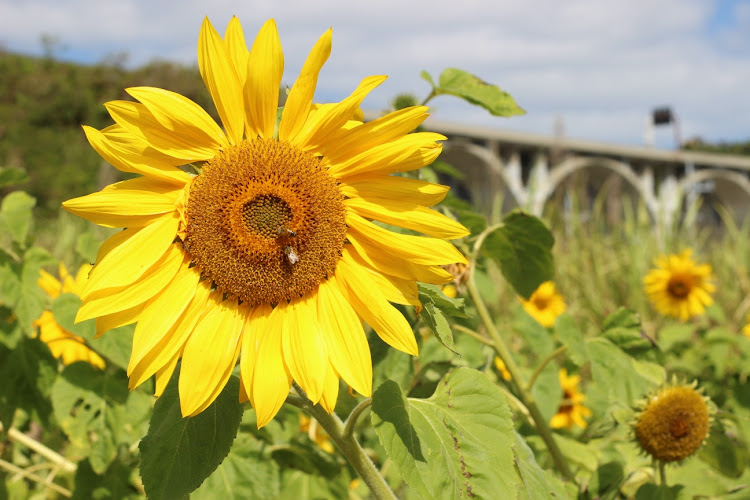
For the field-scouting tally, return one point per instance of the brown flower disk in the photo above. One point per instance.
(674, 424)
(265, 222)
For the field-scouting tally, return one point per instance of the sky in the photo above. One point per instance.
(598, 67)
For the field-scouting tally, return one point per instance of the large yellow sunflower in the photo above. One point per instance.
(545, 304)
(679, 287)
(269, 252)
(63, 344)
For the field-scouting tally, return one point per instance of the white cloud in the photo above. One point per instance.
(601, 65)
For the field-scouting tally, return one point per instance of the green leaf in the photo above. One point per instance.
(623, 328)
(64, 308)
(178, 453)
(521, 247)
(87, 246)
(724, 453)
(82, 398)
(462, 84)
(652, 491)
(10, 176)
(448, 305)
(31, 300)
(244, 473)
(434, 304)
(27, 373)
(113, 483)
(570, 336)
(455, 444)
(427, 77)
(535, 481)
(15, 215)
(301, 486)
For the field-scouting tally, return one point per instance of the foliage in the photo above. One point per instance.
(445, 424)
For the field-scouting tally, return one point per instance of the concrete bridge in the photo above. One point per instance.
(519, 169)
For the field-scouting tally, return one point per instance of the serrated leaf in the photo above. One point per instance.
(82, 398)
(433, 317)
(27, 373)
(535, 481)
(10, 176)
(178, 453)
(15, 215)
(462, 84)
(245, 473)
(522, 248)
(570, 336)
(456, 444)
(449, 306)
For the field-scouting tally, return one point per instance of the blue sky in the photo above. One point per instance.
(601, 66)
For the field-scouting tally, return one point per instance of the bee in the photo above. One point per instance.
(291, 255)
(285, 231)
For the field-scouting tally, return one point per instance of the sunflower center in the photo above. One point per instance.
(265, 222)
(678, 287)
(541, 303)
(680, 426)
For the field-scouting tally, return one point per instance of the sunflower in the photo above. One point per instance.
(62, 343)
(679, 287)
(545, 304)
(673, 422)
(269, 252)
(571, 411)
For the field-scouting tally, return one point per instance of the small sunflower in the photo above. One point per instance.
(269, 253)
(62, 343)
(746, 328)
(545, 304)
(500, 366)
(679, 287)
(571, 411)
(673, 422)
(315, 432)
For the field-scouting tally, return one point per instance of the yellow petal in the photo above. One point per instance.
(416, 249)
(163, 311)
(365, 297)
(172, 343)
(118, 319)
(164, 374)
(409, 216)
(395, 289)
(264, 70)
(330, 392)
(126, 203)
(209, 357)
(359, 139)
(348, 350)
(301, 95)
(305, 350)
(270, 390)
(390, 187)
(129, 260)
(49, 284)
(111, 300)
(135, 162)
(406, 153)
(234, 39)
(182, 130)
(257, 323)
(322, 124)
(222, 82)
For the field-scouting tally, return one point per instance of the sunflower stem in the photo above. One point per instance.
(348, 446)
(468, 331)
(524, 395)
(351, 421)
(662, 473)
(543, 364)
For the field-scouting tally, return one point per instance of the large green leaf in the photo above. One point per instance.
(244, 473)
(178, 453)
(522, 248)
(456, 444)
(15, 215)
(571, 337)
(27, 373)
(83, 398)
(462, 84)
(535, 481)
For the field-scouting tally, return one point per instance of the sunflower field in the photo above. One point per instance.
(281, 302)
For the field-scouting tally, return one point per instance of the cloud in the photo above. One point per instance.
(600, 65)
